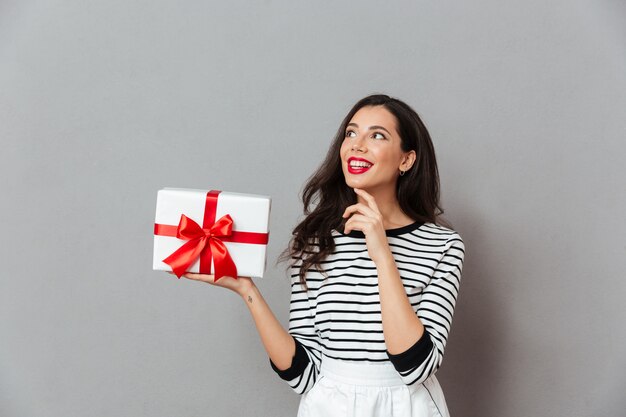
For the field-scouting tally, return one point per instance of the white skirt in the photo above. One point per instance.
(350, 389)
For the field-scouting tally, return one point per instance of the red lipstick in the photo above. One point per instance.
(358, 165)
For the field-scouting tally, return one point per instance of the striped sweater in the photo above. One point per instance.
(339, 316)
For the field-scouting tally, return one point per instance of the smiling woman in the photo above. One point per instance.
(409, 191)
(371, 153)
(375, 274)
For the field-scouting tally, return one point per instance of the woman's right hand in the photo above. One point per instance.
(241, 285)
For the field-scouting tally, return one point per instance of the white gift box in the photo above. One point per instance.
(249, 213)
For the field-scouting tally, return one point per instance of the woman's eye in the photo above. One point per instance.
(350, 134)
(378, 136)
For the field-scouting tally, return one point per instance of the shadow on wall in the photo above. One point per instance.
(472, 371)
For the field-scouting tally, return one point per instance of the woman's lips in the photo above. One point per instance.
(358, 165)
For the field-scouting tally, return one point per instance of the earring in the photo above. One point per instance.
(402, 172)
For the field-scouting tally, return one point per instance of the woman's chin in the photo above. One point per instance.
(355, 183)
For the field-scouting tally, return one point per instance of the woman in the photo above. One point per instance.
(375, 274)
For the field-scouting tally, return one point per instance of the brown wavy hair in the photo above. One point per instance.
(326, 195)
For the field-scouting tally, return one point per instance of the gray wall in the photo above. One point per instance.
(103, 103)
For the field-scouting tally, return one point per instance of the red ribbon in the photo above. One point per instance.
(213, 234)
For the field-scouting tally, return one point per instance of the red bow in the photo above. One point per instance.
(198, 238)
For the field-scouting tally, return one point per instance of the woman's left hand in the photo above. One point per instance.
(367, 218)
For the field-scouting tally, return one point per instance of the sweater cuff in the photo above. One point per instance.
(298, 364)
(414, 355)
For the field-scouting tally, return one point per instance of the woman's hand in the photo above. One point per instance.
(240, 285)
(367, 218)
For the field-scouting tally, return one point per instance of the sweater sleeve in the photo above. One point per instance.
(435, 311)
(305, 365)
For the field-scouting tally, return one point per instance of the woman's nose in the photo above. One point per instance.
(358, 144)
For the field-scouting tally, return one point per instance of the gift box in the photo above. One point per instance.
(211, 232)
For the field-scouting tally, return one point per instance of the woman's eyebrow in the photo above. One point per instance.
(371, 127)
(381, 128)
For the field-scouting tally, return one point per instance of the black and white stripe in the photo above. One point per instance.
(339, 316)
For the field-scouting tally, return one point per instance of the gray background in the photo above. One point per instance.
(103, 103)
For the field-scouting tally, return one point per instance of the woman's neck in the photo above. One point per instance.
(389, 207)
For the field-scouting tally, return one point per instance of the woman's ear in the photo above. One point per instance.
(407, 161)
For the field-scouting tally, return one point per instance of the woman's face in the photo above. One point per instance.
(371, 155)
